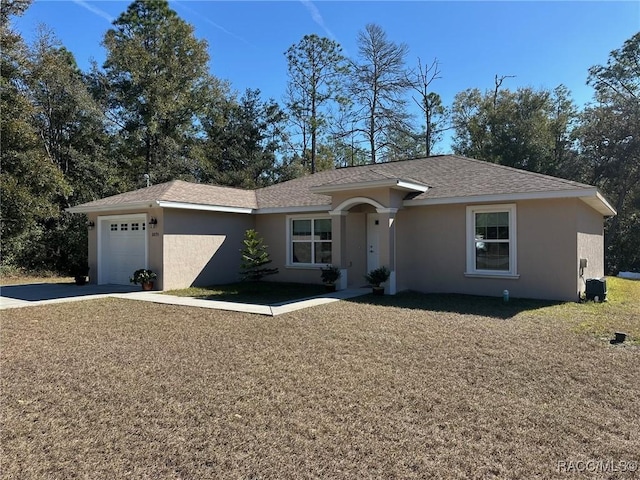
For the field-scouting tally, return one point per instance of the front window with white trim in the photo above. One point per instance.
(309, 241)
(491, 240)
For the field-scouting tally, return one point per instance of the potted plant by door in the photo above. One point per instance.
(330, 275)
(376, 278)
(144, 277)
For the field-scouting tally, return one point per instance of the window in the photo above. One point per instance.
(135, 226)
(310, 241)
(491, 245)
(114, 227)
(124, 227)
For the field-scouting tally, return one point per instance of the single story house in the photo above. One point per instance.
(440, 224)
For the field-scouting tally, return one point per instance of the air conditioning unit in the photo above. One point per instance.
(596, 288)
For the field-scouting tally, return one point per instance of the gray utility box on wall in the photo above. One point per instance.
(596, 287)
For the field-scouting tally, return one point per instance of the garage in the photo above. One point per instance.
(122, 247)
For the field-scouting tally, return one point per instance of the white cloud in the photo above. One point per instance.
(93, 9)
(317, 17)
(210, 22)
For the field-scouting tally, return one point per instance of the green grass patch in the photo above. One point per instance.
(493, 307)
(262, 293)
(620, 313)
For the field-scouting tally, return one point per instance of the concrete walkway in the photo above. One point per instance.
(18, 296)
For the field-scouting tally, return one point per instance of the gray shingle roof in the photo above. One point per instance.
(448, 176)
(181, 192)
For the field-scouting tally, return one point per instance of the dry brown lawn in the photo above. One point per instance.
(412, 387)
(23, 279)
(263, 293)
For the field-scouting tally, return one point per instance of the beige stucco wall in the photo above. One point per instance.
(93, 249)
(273, 228)
(155, 237)
(547, 250)
(590, 227)
(202, 248)
(552, 235)
(187, 247)
(432, 250)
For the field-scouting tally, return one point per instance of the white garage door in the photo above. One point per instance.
(123, 248)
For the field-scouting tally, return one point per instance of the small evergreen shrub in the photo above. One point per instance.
(254, 258)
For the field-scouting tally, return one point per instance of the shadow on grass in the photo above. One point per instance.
(493, 307)
(258, 293)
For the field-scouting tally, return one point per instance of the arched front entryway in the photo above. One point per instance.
(378, 236)
(382, 195)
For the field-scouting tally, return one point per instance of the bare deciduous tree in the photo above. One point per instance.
(379, 81)
(430, 103)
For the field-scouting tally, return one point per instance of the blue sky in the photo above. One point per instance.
(543, 44)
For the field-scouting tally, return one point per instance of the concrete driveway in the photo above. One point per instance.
(13, 296)
(16, 296)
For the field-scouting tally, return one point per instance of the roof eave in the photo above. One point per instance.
(599, 203)
(395, 183)
(591, 197)
(205, 207)
(112, 207)
(161, 204)
(294, 209)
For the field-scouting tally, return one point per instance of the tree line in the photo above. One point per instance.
(154, 109)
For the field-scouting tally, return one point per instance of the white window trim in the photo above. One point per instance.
(471, 246)
(289, 263)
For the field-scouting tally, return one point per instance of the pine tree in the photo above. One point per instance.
(158, 80)
(317, 69)
(254, 258)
